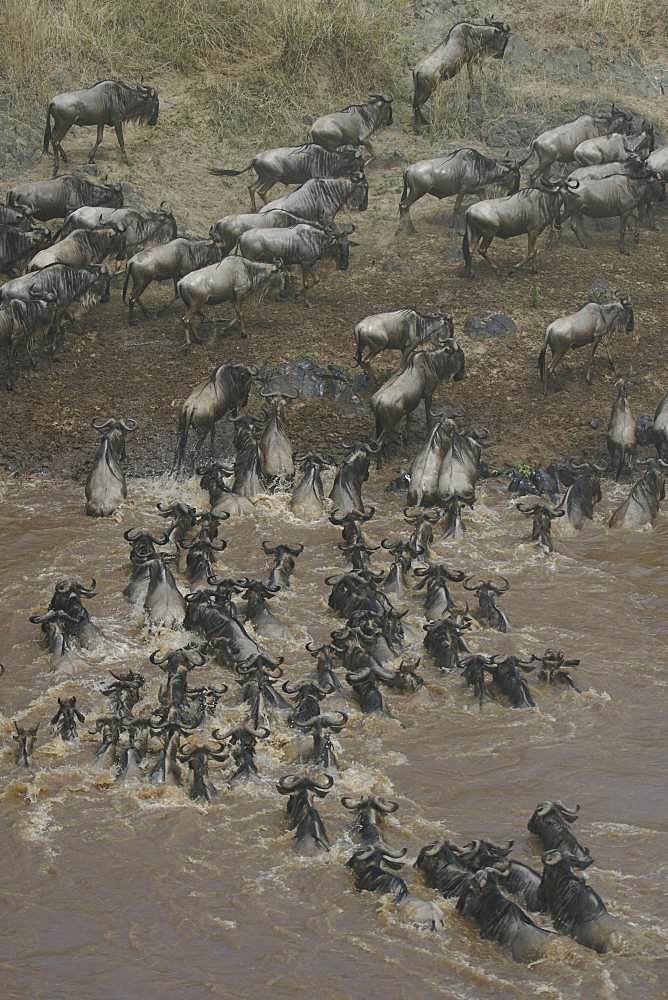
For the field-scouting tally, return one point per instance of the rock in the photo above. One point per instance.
(490, 326)
(392, 267)
(308, 378)
(594, 424)
(600, 291)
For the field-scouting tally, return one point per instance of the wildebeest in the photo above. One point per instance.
(550, 822)
(308, 496)
(163, 604)
(438, 600)
(466, 45)
(426, 466)
(19, 321)
(106, 487)
(354, 125)
(581, 495)
(82, 247)
(140, 227)
(16, 217)
(109, 102)
(320, 199)
(294, 165)
(401, 330)
(414, 383)
(518, 879)
(500, 919)
(226, 390)
(228, 230)
(56, 198)
(621, 437)
(590, 325)
(304, 245)
(655, 431)
(17, 246)
(658, 162)
(464, 172)
(641, 507)
(460, 468)
(615, 147)
(63, 286)
(541, 529)
(606, 197)
(303, 817)
(275, 448)
(558, 145)
(25, 743)
(168, 262)
(529, 211)
(488, 613)
(232, 280)
(574, 906)
(346, 493)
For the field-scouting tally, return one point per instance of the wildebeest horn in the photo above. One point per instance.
(570, 814)
(102, 425)
(505, 587)
(267, 548)
(290, 783)
(385, 806)
(129, 425)
(431, 850)
(466, 586)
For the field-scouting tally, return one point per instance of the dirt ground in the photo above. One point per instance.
(142, 371)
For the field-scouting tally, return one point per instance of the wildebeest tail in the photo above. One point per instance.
(520, 163)
(47, 130)
(358, 354)
(128, 270)
(224, 172)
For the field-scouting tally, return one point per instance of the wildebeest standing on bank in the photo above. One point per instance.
(20, 320)
(558, 145)
(401, 330)
(589, 325)
(529, 211)
(465, 45)
(168, 262)
(464, 172)
(305, 245)
(109, 102)
(225, 391)
(56, 198)
(354, 125)
(294, 165)
(415, 383)
(233, 280)
(613, 195)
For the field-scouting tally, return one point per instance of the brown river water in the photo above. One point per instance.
(128, 891)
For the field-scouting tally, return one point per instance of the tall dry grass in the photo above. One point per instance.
(298, 45)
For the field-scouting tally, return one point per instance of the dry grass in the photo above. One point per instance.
(293, 45)
(629, 18)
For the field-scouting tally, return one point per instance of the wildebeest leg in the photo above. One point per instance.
(264, 190)
(458, 207)
(622, 233)
(482, 248)
(594, 347)
(369, 148)
(176, 291)
(58, 151)
(578, 228)
(557, 358)
(98, 141)
(213, 439)
(118, 127)
(239, 317)
(428, 416)
(607, 351)
(532, 240)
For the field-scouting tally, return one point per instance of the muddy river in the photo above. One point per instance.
(130, 891)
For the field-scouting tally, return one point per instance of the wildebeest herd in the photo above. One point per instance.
(615, 174)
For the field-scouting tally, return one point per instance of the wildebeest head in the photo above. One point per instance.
(359, 196)
(115, 432)
(497, 44)
(384, 105)
(340, 245)
(146, 105)
(628, 316)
